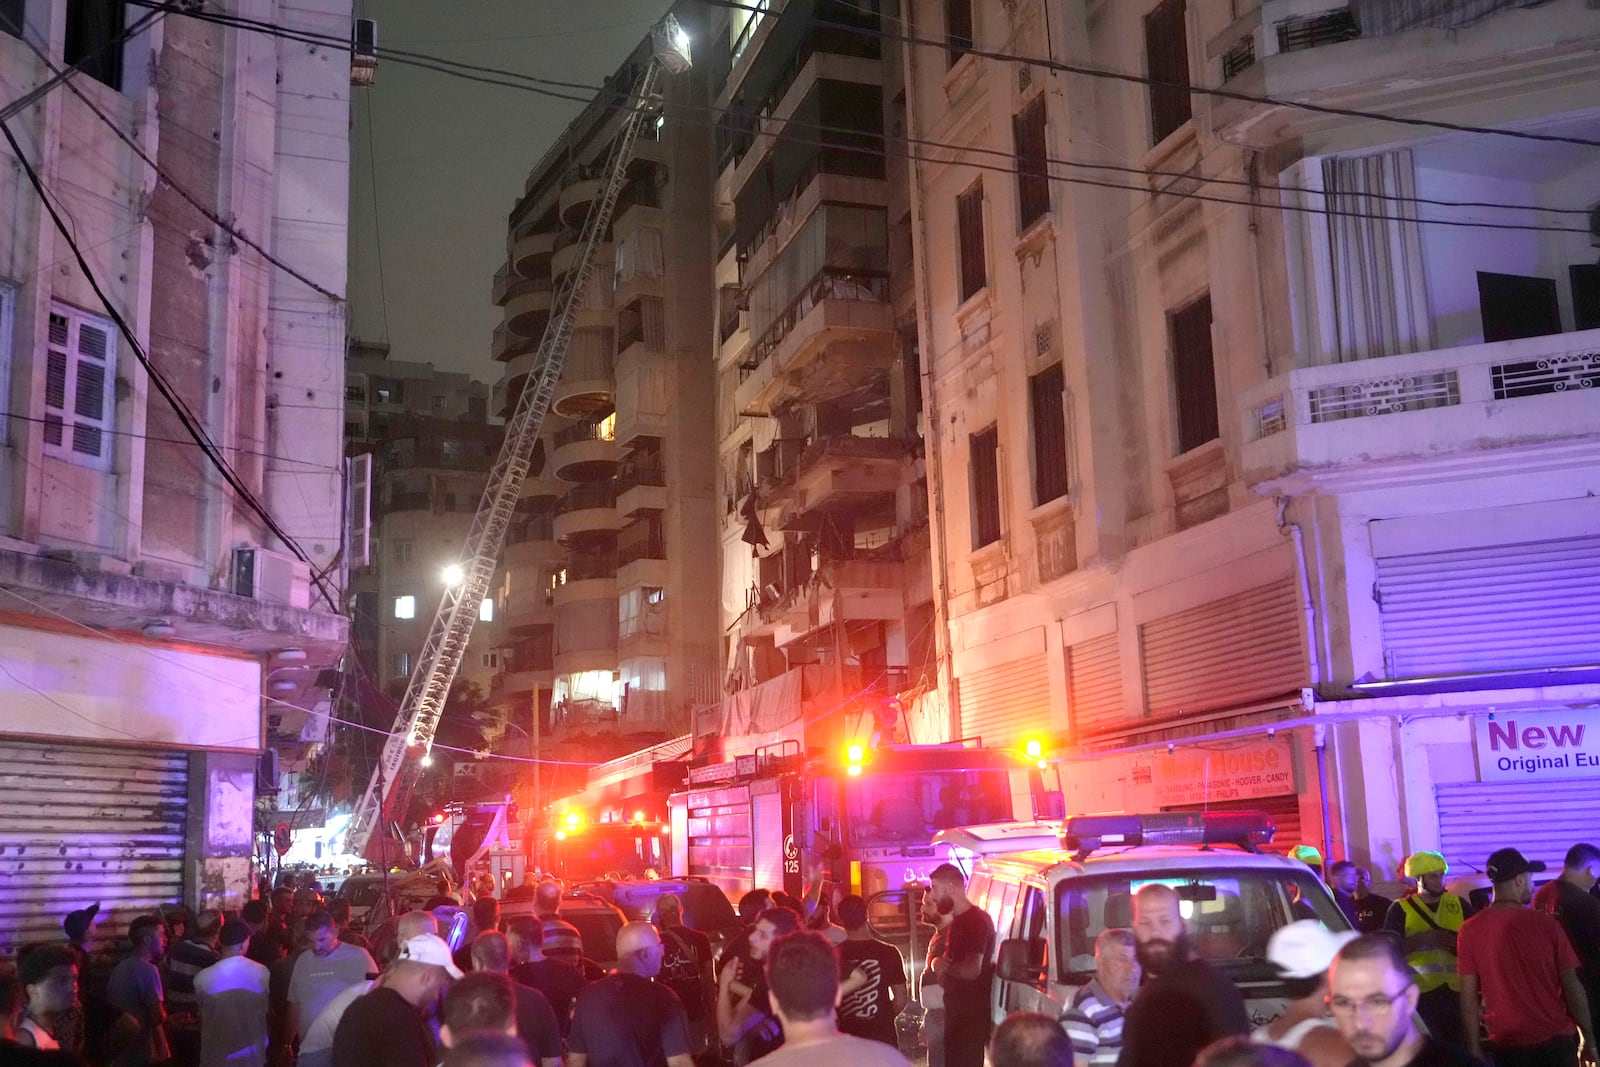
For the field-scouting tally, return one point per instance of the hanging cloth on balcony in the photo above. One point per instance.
(754, 535)
(1378, 18)
(1379, 290)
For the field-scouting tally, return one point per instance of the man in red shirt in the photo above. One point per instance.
(1524, 966)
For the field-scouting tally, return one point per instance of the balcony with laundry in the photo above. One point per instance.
(1467, 60)
(1446, 317)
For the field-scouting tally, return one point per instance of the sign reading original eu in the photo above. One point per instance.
(1518, 746)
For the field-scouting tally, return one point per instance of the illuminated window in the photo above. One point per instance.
(405, 607)
(402, 664)
(486, 610)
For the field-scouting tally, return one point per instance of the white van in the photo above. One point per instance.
(1049, 904)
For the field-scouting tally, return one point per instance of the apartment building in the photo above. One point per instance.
(431, 444)
(168, 609)
(1261, 433)
(608, 605)
(826, 604)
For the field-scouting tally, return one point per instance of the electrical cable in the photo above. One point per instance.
(322, 467)
(40, 91)
(185, 417)
(377, 225)
(496, 76)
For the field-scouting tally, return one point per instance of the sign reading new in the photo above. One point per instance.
(1517, 746)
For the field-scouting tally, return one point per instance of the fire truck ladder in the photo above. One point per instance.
(409, 742)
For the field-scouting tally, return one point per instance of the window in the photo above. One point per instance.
(911, 807)
(1166, 48)
(8, 303)
(405, 607)
(403, 550)
(1033, 175)
(1194, 379)
(1047, 404)
(94, 39)
(486, 610)
(11, 12)
(957, 28)
(969, 240)
(490, 660)
(77, 391)
(402, 665)
(438, 404)
(985, 460)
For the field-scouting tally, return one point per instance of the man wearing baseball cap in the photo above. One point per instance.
(1303, 951)
(1427, 921)
(388, 1026)
(1524, 966)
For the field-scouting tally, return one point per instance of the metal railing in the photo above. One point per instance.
(589, 495)
(830, 283)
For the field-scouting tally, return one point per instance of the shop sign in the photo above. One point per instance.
(1537, 745)
(1194, 774)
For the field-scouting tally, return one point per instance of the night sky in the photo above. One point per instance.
(448, 158)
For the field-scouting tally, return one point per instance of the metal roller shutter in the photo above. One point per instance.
(1285, 811)
(80, 824)
(766, 812)
(1499, 607)
(1224, 653)
(1541, 820)
(1002, 702)
(717, 825)
(1094, 680)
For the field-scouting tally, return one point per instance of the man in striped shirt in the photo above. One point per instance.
(1093, 1019)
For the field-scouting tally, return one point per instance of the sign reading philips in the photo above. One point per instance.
(1539, 744)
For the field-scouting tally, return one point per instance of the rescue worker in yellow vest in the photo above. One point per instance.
(1427, 921)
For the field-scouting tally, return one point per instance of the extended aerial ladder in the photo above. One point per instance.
(406, 751)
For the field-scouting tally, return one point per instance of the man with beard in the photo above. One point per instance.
(745, 1019)
(1186, 1003)
(1372, 993)
(965, 970)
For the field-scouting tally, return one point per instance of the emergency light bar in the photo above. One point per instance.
(1248, 830)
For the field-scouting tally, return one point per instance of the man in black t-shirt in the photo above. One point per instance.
(1186, 1003)
(532, 1015)
(625, 1019)
(1371, 908)
(560, 982)
(965, 970)
(1570, 901)
(686, 969)
(879, 995)
(387, 1027)
(1372, 996)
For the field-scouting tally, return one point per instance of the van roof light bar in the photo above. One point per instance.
(1247, 830)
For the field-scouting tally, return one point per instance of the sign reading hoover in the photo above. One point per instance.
(1516, 746)
(1195, 775)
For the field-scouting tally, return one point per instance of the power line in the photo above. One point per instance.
(40, 91)
(185, 417)
(377, 223)
(1187, 87)
(532, 85)
(322, 467)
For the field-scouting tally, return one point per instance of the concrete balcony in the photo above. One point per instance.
(642, 405)
(588, 509)
(820, 66)
(641, 486)
(507, 391)
(528, 313)
(586, 452)
(576, 198)
(523, 614)
(643, 571)
(519, 685)
(507, 344)
(848, 590)
(1319, 50)
(639, 285)
(839, 328)
(1475, 411)
(573, 590)
(530, 254)
(847, 473)
(586, 386)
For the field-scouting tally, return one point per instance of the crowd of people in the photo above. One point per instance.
(1424, 981)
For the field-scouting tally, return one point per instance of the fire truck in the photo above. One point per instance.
(778, 818)
(617, 826)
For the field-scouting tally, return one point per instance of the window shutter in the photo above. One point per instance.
(77, 392)
(969, 226)
(1033, 176)
(1046, 393)
(985, 461)
(1194, 375)
(1166, 43)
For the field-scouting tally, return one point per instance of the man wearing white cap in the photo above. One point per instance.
(388, 1026)
(1303, 951)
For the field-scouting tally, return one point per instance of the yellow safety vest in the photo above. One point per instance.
(1435, 967)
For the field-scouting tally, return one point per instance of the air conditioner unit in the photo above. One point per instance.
(262, 574)
(364, 52)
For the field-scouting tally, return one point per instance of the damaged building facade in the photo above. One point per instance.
(168, 388)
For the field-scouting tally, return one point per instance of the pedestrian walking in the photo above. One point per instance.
(1428, 922)
(1185, 1003)
(1523, 965)
(803, 976)
(1371, 908)
(535, 1020)
(323, 971)
(135, 989)
(557, 980)
(626, 1019)
(387, 1027)
(1570, 900)
(1093, 1018)
(1030, 1039)
(1303, 951)
(1373, 996)
(48, 976)
(871, 1009)
(686, 970)
(965, 970)
(231, 996)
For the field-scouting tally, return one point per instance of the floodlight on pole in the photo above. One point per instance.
(454, 575)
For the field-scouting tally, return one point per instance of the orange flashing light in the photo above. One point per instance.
(638, 816)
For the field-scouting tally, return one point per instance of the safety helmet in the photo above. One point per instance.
(1307, 854)
(1421, 863)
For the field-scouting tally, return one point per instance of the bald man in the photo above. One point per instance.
(1186, 1004)
(625, 1018)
